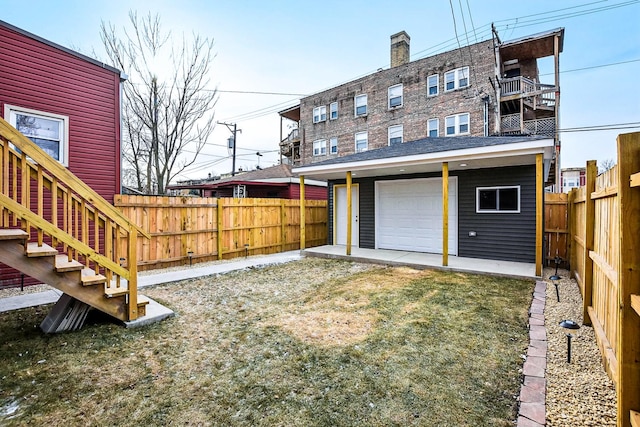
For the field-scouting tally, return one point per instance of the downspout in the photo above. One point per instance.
(487, 100)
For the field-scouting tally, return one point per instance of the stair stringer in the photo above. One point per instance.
(43, 269)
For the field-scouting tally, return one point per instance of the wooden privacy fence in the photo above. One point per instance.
(556, 228)
(604, 242)
(196, 229)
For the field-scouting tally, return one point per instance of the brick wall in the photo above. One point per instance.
(417, 107)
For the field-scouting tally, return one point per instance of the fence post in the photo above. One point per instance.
(590, 210)
(219, 226)
(132, 264)
(628, 348)
(539, 213)
(283, 229)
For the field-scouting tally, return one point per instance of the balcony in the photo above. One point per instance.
(539, 95)
(511, 124)
(290, 147)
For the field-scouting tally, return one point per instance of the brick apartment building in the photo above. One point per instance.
(490, 88)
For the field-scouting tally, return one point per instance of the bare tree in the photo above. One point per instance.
(163, 112)
(605, 165)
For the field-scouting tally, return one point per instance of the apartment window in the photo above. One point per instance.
(333, 111)
(457, 125)
(432, 85)
(498, 199)
(432, 128)
(456, 79)
(395, 96)
(395, 134)
(48, 131)
(362, 142)
(320, 114)
(333, 146)
(361, 105)
(320, 147)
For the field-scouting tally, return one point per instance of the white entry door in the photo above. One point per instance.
(340, 216)
(409, 215)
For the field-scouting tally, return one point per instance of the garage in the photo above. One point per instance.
(409, 215)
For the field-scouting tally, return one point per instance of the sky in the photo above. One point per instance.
(291, 49)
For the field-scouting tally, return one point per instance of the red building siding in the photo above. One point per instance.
(38, 75)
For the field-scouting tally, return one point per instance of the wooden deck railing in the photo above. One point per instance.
(54, 206)
(544, 95)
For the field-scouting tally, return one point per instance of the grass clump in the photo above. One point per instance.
(310, 343)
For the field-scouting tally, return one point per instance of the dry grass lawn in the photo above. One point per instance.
(310, 343)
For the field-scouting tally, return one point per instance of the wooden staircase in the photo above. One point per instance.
(80, 244)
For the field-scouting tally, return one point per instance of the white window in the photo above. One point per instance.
(432, 85)
(333, 146)
(333, 111)
(457, 125)
(320, 147)
(361, 105)
(48, 131)
(456, 79)
(432, 128)
(395, 96)
(320, 114)
(395, 134)
(362, 143)
(498, 199)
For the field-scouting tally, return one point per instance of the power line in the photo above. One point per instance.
(595, 66)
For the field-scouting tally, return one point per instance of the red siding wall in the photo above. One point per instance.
(38, 76)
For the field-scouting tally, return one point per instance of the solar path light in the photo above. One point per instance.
(570, 325)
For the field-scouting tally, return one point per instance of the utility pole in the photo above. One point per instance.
(233, 132)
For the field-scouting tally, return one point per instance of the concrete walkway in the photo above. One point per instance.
(51, 296)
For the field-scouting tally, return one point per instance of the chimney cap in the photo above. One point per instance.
(401, 35)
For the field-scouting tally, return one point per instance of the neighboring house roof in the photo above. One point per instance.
(279, 175)
(413, 157)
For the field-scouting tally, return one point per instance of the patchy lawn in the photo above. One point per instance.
(310, 343)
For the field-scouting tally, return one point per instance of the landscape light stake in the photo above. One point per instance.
(571, 325)
(557, 291)
(557, 260)
(246, 250)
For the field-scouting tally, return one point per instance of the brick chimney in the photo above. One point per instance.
(400, 49)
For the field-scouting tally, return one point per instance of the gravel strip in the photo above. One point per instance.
(578, 393)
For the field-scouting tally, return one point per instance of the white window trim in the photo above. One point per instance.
(401, 96)
(321, 146)
(355, 105)
(331, 110)
(10, 110)
(356, 141)
(478, 189)
(437, 129)
(437, 76)
(332, 145)
(389, 133)
(457, 124)
(319, 115)
(456, 79)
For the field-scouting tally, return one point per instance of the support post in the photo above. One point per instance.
(302, 215)
(539, 213)
(590, 210)
(445, 214)
(132, 265)
(556, 139)
(628, 348)
(349, 213)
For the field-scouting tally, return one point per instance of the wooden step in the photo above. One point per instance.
(90, 278)
(635, 304)
(63, 264)
(13, 234)
(142, 305)
(635, 419)
(33, 250)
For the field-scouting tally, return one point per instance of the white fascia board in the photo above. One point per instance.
(540, 146)
(291, 181)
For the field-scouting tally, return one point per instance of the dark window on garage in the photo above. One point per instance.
(498, 199)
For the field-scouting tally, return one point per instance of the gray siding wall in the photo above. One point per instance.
(508, 237)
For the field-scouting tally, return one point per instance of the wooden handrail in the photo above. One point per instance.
(25, 145)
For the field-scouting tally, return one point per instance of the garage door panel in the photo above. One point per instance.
(409, 215)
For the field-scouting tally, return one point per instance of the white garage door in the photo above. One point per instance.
(409, 215)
